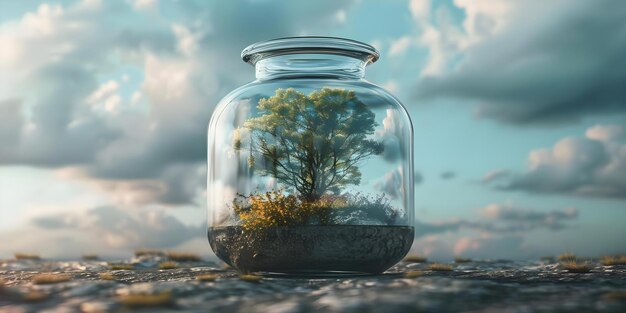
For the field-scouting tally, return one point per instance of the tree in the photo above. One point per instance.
(313, 143)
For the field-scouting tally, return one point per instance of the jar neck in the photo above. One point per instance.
(316, 65)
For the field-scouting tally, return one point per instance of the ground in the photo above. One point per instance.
(468, 286)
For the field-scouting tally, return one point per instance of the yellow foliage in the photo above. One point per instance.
(576, 267)
(146, 300)
(183, 256)
(50, 278)
(613, 260)
(107, 276)
(207, 277)
(415, 259)
(413, 274)
(168, 265)
(566, 257)
(34, 296)
(250, 278)
(438, 267)
(27, 256)
(274, 208)
(121, 266)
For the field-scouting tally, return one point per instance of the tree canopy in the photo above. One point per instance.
(313, 143)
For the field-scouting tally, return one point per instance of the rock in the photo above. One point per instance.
(98, 306)
(494, 286)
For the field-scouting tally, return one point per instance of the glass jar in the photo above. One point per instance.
(310, 166)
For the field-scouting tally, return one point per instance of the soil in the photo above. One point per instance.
(312, 249)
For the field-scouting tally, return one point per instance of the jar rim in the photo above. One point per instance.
(309, 45)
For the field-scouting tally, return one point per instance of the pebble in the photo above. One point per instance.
(98, 306)
(491, 286)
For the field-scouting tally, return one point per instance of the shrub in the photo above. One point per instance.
(613, 260)
(148, 252)
(146, 300)
(183, 257)
(251, 278)
(567, 257)
(415, 259)
(121, 266)
(575, 267)
(27, 256)
(275, 208)
(107, 276)
(168, 265)
(207, 277)
(413, 274)
(438, 267)
(50, 278)
(90, 257)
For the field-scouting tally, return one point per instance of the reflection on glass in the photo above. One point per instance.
(310, 166)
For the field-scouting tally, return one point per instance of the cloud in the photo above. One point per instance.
(393, 133)
(499, 232)
(418, 178)
(142, 141)
(11, 121)
(392, 184)
(503, 219)
(515, 219)
(400, 46)
(437, 33)
(144, 5)
(494, 175)
(490, 247)
(107, 231)
(471, 244)
(529, 62)
(594, 166)
(447, 175)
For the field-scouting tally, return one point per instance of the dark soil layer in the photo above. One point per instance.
(313, 250)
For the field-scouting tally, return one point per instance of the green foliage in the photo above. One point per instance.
(313, 142)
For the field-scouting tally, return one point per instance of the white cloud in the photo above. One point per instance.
(107, 231)
(594, 166)
(605, 133)
(393, 134)
(500, 232)
(136, 97)
(150, 153)
(144, 5)
(341, 16)
(400, 46)
(187, 41)
(106, 97)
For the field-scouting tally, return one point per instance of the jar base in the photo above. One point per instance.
(312, 250)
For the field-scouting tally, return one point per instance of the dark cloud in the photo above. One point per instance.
(11, 122)
(116, 228)
(447, 175)
(418, 178)
(149, 156)
(502, 219)
(594, 165)
(499, 232)
(548, 64)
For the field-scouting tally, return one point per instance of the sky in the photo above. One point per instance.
(518, 107)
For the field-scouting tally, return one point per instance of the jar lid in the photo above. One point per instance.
(309, 45)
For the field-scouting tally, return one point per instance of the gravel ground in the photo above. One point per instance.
(475, 286)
